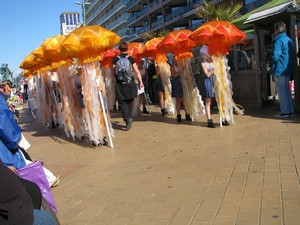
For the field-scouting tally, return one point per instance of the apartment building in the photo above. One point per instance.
(111, 15)
(69, 21)
(130, 18)
(156, 15)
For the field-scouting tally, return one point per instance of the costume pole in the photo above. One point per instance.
(53, 114)
(147, 101)
(105, 118)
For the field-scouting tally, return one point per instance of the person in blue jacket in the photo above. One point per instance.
(282, 69)
(10, 137)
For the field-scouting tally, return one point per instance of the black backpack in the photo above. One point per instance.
(123, 69)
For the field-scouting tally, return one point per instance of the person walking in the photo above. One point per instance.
(142, 94)
(160, 88)
(151, 71)
(208, 71)
(207, 67)
(282, 69)
(126, 87)
(177, 90)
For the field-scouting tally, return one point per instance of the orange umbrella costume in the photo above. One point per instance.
(219, 35)
(136, 50)
(160, 58)
(86, 44)
(179, 43)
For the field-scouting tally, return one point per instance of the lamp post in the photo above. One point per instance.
(83, 3)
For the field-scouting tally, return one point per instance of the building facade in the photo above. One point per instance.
(129, 18)
(157, 15)
(109, 14)
(69, 21)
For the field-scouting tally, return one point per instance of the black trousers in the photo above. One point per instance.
(126, 108)
(34, 192)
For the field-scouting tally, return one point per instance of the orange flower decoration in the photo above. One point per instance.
(153, 51)
(136, 50)
(179, 43)
(87, 42)
(218, 35)
(51, 51)
(32, 63)
(107, 57)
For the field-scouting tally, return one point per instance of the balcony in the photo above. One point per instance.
(185, 11)
(110, 13)
(134, 35)
(134, 5)
(137, 17)
(157, 22)
(119, 21)
(142, 30)
(174, 14)
(124, 33)
(97, 9)
(196, 25)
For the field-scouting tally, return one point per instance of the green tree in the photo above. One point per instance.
(226, 10)
(148, 35)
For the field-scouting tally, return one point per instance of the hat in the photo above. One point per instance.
(204, 49)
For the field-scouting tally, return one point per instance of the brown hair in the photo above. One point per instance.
(123, 46)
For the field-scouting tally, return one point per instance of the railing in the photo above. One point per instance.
(130, 3)
(157, 22)
(103, 6)
(137, 14)
(117, 21)
(130, 19)
(142, 30)
(131, 35)
(124, 32)
(109, 13)
(196, 25)
(181, 10)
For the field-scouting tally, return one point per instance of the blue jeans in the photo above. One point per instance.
(285, 97)
(42, 218)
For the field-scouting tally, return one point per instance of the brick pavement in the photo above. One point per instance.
(162, 172)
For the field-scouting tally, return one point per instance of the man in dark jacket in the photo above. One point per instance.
(127, 89)
(151, 83)
(15, 204)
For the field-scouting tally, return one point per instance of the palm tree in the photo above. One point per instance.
(226, 10)
(148, 35)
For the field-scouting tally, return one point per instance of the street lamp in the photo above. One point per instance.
(83, 3)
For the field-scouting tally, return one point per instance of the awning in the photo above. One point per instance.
(291, 6)
(266, 10)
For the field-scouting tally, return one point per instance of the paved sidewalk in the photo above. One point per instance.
(162, 172)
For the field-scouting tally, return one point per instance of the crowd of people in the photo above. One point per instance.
(146, 85)
(142, 81)
(156, 89)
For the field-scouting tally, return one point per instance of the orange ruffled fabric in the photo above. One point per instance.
(218, 35)
(88, 42)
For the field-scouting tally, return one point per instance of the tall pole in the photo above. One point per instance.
(83, 3)
(83, 12)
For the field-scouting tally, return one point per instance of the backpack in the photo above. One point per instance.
(123, 69)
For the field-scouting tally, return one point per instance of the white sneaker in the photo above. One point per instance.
(281, 115)
(55, 182)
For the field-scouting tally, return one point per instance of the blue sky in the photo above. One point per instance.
(26, 23)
